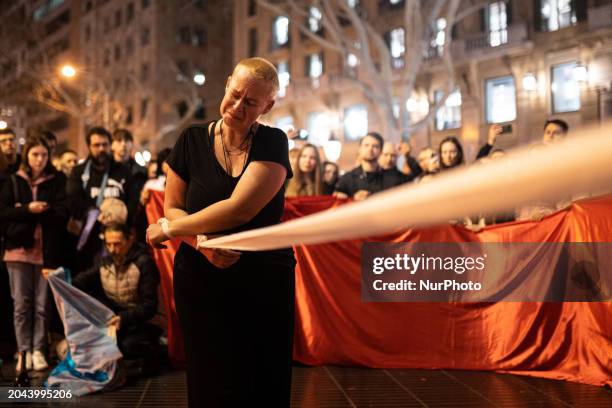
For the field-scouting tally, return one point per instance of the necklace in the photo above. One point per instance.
(242, 149)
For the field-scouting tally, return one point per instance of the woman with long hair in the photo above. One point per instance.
(451, 153)
(34, 212)
(306, 179)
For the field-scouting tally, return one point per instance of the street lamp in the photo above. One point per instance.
(3, 125)
(68, 71)
(199, 78)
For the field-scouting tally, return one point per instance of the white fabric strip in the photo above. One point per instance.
(582, 163)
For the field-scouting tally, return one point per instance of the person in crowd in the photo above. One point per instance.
(306, 179)
(152, 170)
(98, 178)
(33, 212)
(331, 173)
(554, 130)
(126, 281)
(476, 223)
(8, 147)
(122, 146)
(429, 162)
(494, 131)
(158, 183)
(224, 177)
(451, 153)
(51, 141)
(411, 167)
(368, 178)
(294, 154)
(388, 156)
(68, 160)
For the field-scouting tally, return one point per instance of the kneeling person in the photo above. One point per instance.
(126, 281)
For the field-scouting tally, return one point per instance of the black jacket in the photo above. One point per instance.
(119, 185)
(90, 281)
(19, 224)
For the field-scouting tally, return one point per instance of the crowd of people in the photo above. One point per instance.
(89, 216)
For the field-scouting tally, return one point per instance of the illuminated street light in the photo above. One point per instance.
(199, 78)
(68, 71)
(3, 125)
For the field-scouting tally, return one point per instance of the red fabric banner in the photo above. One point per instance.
(570, 341)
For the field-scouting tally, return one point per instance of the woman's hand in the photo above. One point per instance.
(221, 258)
(155, 236)
(38, 207)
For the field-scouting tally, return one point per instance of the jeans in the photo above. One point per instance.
(29, 290)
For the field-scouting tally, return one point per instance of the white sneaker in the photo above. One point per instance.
(38, 360)
(28, 362)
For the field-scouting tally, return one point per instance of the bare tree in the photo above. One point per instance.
(381, 77)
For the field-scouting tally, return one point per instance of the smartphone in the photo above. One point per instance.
(507, 128)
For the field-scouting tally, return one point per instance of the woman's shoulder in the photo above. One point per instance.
(270, 135)
(195, 131)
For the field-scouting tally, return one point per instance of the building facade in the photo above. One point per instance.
(516, 62)
(150, 66)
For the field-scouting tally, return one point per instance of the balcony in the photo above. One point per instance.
(600, 17)
(480, 45)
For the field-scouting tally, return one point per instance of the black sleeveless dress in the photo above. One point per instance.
(237, 322)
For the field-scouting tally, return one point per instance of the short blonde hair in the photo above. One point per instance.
(263, 69)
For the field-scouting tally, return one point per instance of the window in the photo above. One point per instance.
(395, 107)
(107, 56)
(355, 122)
(88, 6)
(318, 125)
(117, 18)
(145, 3)
(284, 77)
(252, 8)
(129, 46)
(314, 19)
(557, 14)
(145, 36)
(183, 67)
(500, 99)
(314, 65)
(565, 89)
(280, 31)
(144, 104)
(117, 52)
(129, 115)
(184, 35)
(448, 116)
(144, 72)
(497, 22)
(252, 42)
(129, 13)
(439, 37)
(199, 37)
(397, 46)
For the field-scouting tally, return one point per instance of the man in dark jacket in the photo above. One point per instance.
(126, 281)
(99, 177)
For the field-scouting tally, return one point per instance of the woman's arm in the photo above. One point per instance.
(257, 186)
(174, 196)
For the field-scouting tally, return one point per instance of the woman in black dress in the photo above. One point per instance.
(236, 308)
